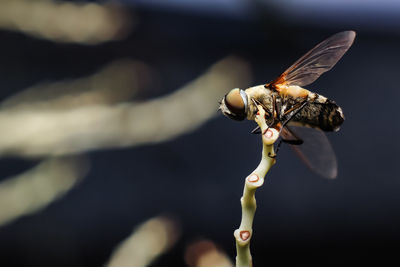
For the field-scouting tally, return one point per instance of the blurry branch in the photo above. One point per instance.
(88, 23)
(33, 190)
(56, 132)
(151, 239)
(204, 253)
(116, 82)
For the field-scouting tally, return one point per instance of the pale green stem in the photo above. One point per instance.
(248, 201)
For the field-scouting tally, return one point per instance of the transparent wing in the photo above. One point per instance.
(315, 151)
(317, 61)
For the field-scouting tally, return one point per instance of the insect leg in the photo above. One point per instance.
(258, 103)
(294, 114)
(273, 106)
(275, 115)
(292, 108)
(275, 112)
(257, 130)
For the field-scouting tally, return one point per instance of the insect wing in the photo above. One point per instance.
(316, 151)
(289, 137)
(317, 61)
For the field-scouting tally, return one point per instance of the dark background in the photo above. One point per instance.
(301, 219)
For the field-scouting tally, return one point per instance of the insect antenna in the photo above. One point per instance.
(219, 105)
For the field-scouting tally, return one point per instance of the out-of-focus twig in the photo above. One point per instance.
(61, 21)
(57, 132)
(116, 82)
(151, 239)
(33, 190)
(204, 253)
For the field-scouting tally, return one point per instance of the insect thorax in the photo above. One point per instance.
(261, 95)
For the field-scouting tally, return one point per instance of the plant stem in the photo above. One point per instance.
(248, 201)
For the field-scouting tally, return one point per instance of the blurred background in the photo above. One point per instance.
(113, 152)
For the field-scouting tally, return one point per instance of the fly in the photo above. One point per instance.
(301, 116)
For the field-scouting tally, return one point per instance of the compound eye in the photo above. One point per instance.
(234, 102)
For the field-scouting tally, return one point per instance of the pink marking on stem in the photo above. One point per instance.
(253, 178)
(244, 235)
(269, 133)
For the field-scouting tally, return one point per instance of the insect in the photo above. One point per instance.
(300, 115)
